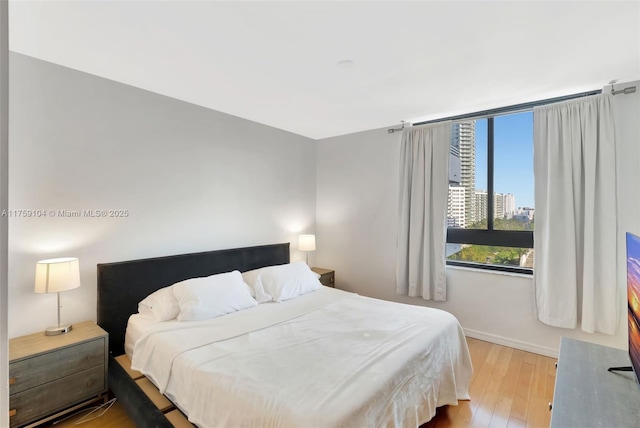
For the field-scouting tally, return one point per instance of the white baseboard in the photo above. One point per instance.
(512, 343)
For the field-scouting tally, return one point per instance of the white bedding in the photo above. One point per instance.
(137, 326)
(327, 358)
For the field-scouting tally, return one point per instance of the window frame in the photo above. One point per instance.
(490, 236)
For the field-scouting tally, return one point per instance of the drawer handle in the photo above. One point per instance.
(13, 412)
(550, 406)
(12, 380)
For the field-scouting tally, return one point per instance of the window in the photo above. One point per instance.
(490, 213)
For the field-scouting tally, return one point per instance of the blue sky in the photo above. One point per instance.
(513, 156)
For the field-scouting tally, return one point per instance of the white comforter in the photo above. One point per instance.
(325, 359)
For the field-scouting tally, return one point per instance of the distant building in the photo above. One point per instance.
(503, 205)
(454, 165)
(463, 143)
(524, 214)
(498, 205)
(509, 205)
(480, 204)
(456, 206)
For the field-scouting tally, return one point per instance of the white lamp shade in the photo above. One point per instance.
(54, 275)
(307, 243)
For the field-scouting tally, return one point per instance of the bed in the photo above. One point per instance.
(324, 358)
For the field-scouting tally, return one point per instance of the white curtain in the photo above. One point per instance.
(422, 215)
(575, 218)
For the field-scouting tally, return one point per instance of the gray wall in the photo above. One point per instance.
(192, 179)
(357, 188)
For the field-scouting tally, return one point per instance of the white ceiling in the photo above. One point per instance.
(277, 62)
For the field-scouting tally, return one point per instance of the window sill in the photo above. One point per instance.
(494, 270)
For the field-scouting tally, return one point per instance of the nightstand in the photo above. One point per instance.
(327, 276)
(53, 375)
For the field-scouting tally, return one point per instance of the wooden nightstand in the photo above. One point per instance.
(52, 375)
(327, 276)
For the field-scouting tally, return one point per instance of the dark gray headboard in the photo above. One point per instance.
(122, 285)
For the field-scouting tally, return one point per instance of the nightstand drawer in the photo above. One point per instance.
(37, 370)
(327, 279)
(53, 396)
(327, 276)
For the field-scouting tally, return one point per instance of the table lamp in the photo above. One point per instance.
(54, 276)
(307, 243)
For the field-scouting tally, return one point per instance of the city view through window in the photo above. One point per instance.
(512, 178)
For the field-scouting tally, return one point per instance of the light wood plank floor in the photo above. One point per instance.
(509, 388)
(115, 417)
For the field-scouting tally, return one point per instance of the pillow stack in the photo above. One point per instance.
(197, 299)
(212, 296)
(282, 282)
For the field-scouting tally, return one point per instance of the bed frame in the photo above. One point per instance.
(122, 285)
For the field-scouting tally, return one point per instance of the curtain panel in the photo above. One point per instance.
(575, 231)
(422, 214)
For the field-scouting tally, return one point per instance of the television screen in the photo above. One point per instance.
(633, 299)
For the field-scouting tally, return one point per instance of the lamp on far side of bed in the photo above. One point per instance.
(54, 276)
(307, 243)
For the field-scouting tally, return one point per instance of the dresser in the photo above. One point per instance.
(587, 395)
(49, 375)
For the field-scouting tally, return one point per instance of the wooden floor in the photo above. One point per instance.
(115, 417)
(509, 388)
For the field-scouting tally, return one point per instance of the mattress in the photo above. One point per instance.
(137, 326)
(327, 358)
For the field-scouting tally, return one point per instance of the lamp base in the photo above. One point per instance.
(55, 331)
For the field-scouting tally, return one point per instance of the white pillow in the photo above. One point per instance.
(282, 282)
(252, 279)
(212, 296)
(160, 305)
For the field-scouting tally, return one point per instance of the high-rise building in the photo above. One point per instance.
(503, 205)
(463, 142)
(455, 202)
(480, 204)
(498, 205)
(456, 206)
(509, 205)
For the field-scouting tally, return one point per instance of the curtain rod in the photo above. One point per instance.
(509, 109)
(516, 108)
(625, 91)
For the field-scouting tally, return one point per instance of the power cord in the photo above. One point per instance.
(101, 410)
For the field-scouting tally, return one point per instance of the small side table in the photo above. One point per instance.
(327, 276)
(53, 375)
